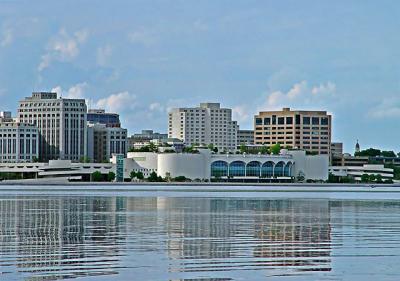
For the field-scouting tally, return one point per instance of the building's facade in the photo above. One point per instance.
(230, 167)
(18, 141)
(204, 125)
(348, 160)
(336, 149)
(245, 137)
(105, 141)
(61, 125)
(103, 117)
(144, 138)
(356, 172)
(307, 130)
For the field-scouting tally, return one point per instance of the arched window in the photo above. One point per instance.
(237, 169)
(279, 167)
(219, 169)
(267, 169)
(253, 169)
(288, 169)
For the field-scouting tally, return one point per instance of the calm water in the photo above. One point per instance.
(158, 238)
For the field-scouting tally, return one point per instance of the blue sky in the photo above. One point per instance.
(140, 58)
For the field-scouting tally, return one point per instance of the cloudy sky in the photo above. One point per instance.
(139, 58)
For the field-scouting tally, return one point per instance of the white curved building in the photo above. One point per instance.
(229, 167)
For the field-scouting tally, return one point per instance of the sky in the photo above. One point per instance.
(141, 58)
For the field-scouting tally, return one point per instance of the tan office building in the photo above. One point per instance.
(308, 130)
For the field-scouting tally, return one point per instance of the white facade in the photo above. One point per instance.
(357, 171)
(245, 137)
(105, 141)
(241, 167)
(203, 125)
(18, 141)
(61, 124)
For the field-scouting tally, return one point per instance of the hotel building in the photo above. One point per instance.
(203, 125)
(18, 141)
(105, 141)
(61, 124)
(307, 130)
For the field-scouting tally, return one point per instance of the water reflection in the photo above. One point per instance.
(154, 238)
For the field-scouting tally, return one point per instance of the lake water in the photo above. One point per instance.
(203, 239)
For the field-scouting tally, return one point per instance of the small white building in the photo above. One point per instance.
(356, 172)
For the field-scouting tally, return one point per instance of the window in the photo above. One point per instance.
(281, 120)
(273, 119)
(289, 120)
(267, 121)
(258, 121)
(297, 119)
(315, 121)
(324, 121)
(306, 120)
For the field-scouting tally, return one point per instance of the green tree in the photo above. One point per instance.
(372, 178)
(371, 152)
(154, 178)
(110, 176)
(139, 176)
(84, 159)
(365, 178)
(132, 175)
(243, 148)
(275, 149)
(264, 150)
(180, 179)
(300, 177)
(378, 178)
(97, 176)
(388, 153)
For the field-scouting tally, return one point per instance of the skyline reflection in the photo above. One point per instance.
(60, 237)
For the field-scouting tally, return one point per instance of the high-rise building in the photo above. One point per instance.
(204, 125)
(103, 117)
(61, 125)
(307, 130)
(18, 141)
(245, 137)
(105, 141)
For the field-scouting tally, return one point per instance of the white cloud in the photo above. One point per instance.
(388, 108)
(300, 94)
(119, 102)
(324, 89)
(74, 92)
(156, 106)
(7, 37)
(103, 54)
(142, 37)
(63, 47)
(241, 114)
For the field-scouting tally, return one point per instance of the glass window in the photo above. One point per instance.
(297, 119)
(324, 121)
(306, 120)
(258, 121)
(289, 120)
(281, 120)
(315, 121)
(267, 121)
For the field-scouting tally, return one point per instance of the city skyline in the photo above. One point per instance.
(249, 56)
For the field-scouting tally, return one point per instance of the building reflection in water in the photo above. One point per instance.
(61, 237)
(66, 237)
(229, 234)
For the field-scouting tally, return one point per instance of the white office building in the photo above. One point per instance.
(204, 125)
(61, 124)
(105, 141)
(18, 141)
